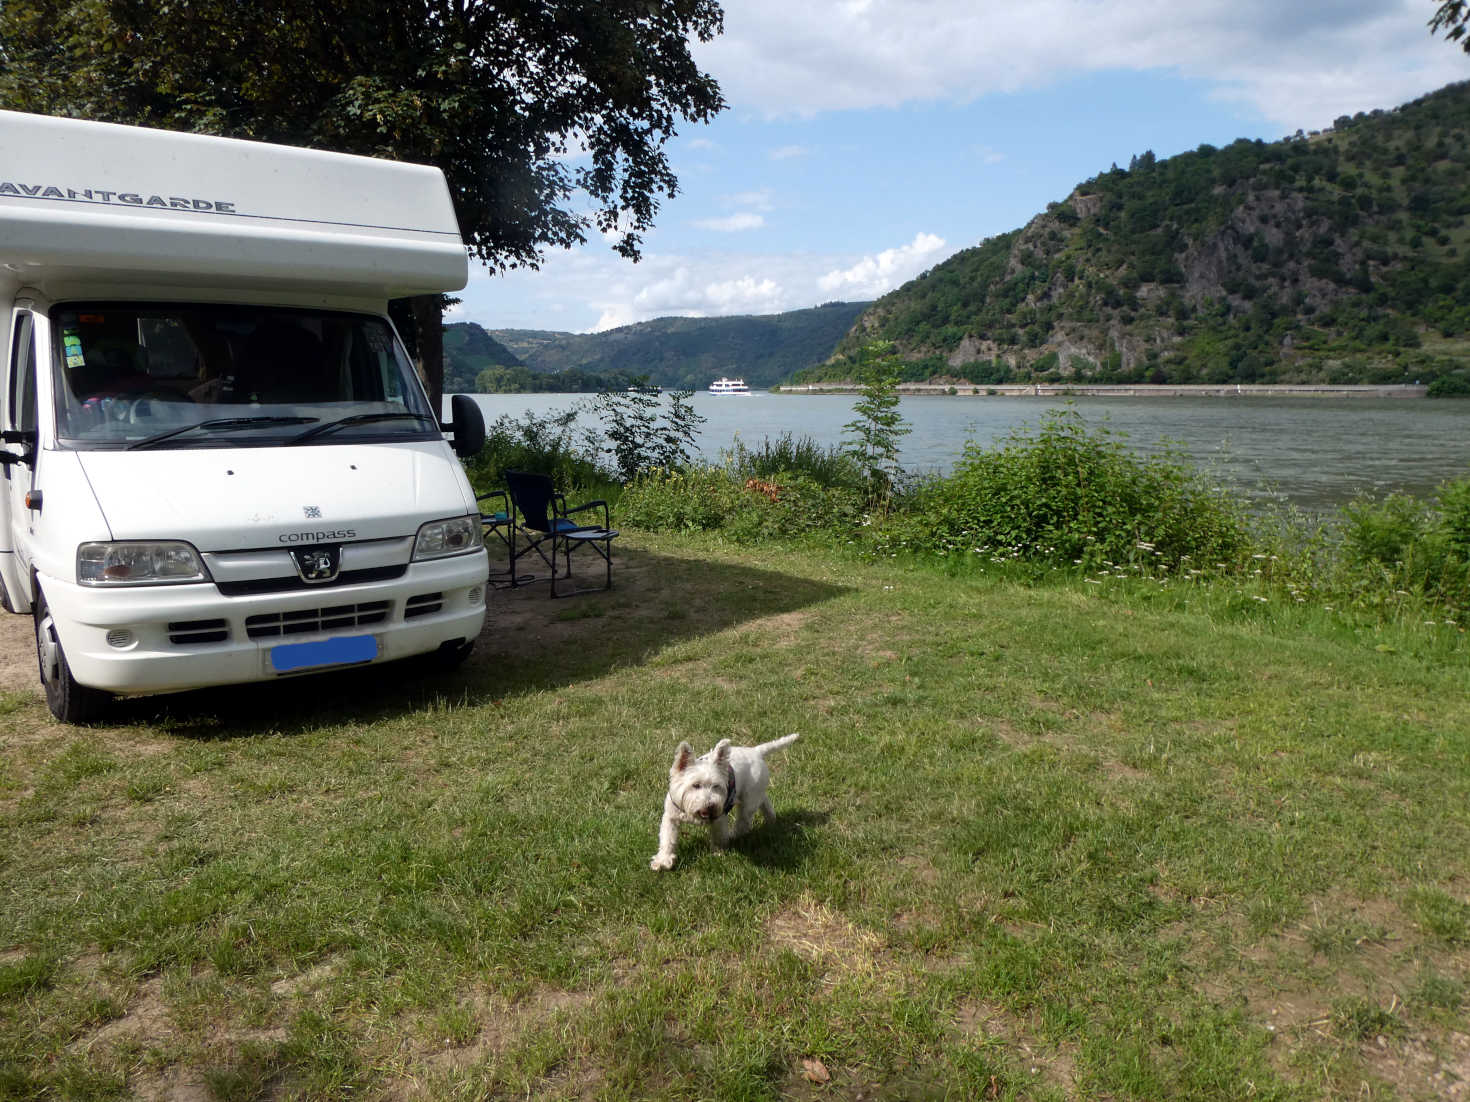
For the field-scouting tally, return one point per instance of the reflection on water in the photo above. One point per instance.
(1313, 452)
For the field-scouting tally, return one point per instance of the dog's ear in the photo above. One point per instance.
(682, 757)
(722, 751)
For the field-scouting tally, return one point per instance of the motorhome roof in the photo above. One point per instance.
(79, 200)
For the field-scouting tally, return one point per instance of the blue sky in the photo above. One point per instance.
(867, 140)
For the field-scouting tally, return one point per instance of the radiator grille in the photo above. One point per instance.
(286, 584)
(188, 632)
(308, 620)
(423, 605)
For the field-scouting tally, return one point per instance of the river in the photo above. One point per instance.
(1312, 452)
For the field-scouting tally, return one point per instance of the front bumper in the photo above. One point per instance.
(145, 639)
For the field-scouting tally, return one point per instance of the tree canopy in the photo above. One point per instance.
(1450, 19)
(548, 117)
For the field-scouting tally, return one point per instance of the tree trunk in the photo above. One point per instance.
(428, 321)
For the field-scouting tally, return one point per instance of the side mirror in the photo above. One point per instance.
(28, 441)
(468, 426)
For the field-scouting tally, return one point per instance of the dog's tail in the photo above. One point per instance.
(776, 744)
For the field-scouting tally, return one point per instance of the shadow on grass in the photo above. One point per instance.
(529, 643)
(786, 845)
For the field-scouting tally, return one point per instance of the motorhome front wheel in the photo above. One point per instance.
(69, 700)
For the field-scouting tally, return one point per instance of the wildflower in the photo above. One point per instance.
(1261, 599)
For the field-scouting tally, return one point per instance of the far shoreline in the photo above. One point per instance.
(1126, 390)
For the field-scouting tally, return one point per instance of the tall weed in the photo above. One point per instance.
(788, 455)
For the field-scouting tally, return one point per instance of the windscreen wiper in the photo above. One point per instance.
(215, 424)
(358, 419)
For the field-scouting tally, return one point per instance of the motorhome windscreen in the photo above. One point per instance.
(186, 375)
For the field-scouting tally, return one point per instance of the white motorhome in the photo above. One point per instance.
(218, 463)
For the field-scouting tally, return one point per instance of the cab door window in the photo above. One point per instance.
(21, 409)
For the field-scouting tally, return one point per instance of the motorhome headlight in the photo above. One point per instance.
(454, 536)
(139, 562)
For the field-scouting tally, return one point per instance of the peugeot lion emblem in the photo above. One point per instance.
(317, 564)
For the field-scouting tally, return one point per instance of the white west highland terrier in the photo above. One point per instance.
(707, 788)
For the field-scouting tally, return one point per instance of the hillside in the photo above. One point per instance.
(468, 350)
(1340, 256)
(692, 352)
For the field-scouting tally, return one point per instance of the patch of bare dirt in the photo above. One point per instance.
(818, 934)
(17, 654)
(1053, 1066)
(1427, 1066)
(429, 1060)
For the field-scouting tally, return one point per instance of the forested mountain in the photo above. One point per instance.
(691, 352)
(468, 350)
(1340, 256)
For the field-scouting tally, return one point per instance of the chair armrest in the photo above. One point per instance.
(598, 503)
(499, 516)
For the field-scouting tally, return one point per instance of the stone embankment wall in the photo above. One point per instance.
(1139, 390)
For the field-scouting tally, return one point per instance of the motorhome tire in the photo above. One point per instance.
(69, 700)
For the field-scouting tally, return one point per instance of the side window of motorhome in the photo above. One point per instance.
(129, 373)
(22, 404)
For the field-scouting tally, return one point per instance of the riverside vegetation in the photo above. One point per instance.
(1108, 788)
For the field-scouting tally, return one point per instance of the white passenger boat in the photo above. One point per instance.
(729, 386)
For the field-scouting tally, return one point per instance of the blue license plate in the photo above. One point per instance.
(340, 651)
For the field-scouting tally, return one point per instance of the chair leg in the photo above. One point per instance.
(603, 548)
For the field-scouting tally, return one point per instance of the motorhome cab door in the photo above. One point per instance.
(18, 453)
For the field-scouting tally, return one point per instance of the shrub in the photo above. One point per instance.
(794, 506)
(748, 510)
(1071, 494)
(1402, 543)
(549, 445)
(697, 499)
(645, 435)
(1456, 385)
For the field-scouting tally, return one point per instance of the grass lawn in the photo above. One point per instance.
(1052, 841)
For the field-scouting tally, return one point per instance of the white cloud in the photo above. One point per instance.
(874, 275)
(615, 317)
(587, 290)
(733, 223)
(751, 200)
(1298, 62)
(689, 290)
(786, 152)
